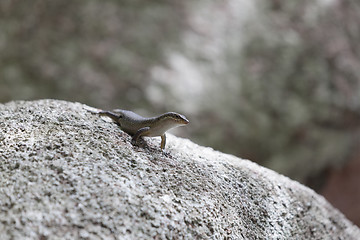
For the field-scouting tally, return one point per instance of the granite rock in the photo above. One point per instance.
(68, 174)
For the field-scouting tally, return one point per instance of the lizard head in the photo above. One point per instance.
(177, 118)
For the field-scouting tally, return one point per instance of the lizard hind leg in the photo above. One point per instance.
(141, 132)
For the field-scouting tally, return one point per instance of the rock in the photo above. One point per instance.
(68, 174)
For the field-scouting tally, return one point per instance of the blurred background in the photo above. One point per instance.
(277, 82)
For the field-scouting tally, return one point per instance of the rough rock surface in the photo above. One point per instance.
(68, 174)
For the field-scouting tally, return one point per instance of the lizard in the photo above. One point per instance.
(138, 126)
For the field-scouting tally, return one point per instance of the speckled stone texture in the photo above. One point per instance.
(68, 174)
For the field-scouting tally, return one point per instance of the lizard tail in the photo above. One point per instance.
(101, 112)
(92, 110)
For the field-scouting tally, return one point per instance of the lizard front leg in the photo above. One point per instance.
(163, 141)
(144, 132)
